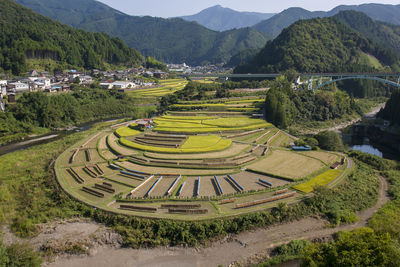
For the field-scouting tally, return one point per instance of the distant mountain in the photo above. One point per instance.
(26, 36)
(385, 34)
(274, 26)
(219, 18)
(319, 45)
(170, 40)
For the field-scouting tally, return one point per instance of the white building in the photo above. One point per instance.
(123, 85)
(45, 81)
(18, 87)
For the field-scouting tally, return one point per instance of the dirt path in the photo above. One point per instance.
(245, 248)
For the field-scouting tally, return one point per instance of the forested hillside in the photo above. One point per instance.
(27, 35)
(385, 34)
(169, 40)
(319, 45)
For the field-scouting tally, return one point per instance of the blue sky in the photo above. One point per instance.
(173, 8)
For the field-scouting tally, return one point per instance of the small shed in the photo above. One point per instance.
(301, 148)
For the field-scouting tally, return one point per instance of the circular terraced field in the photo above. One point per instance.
(202, 167)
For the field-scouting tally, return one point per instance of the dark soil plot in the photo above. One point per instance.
(250, 181)
(162, 187)
(227, 186)
(143, 189)
(190, 187)
(208, 187)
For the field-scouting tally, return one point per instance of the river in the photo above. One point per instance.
(50, 137)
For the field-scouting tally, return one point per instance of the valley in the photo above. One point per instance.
(223, 138)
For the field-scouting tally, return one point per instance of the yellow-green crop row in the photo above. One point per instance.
(321, 180)
(243, 109)
(245, 101)
(203, 129)
(197, 105)
(126, 131)
(201, 141)
(222, 144)
(170, 117)
(233, 122)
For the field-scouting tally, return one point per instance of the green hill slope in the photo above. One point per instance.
(318, 45)
(27, 35)
(170, 40)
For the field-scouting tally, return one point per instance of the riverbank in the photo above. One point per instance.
(342, 125)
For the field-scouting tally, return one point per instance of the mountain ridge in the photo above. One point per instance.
(220, 18)
(170, 40)
(274, 26)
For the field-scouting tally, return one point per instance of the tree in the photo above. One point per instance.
(361, 247)
(329, 140)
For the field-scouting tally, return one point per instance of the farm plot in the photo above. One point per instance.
(144, 189)
(327, 157)
(232, 151)
(102, 142)
(182, 171)
(112, 142)
(195, 144)
(320, 180)
(208, 187)
(163, 186)
(250, 181)
(189, 189)
(287, 164)
(124, 180)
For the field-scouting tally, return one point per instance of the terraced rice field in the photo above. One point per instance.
(165, 87)
(197, 144)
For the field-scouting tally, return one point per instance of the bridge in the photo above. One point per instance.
(387, 78)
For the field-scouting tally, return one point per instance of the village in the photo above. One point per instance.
(128, 79)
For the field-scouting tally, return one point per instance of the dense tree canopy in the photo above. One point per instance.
(285, 106)
(38, 109)
(27, 35)
(392, 110)
(361, 247)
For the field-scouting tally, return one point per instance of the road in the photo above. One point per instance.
(247, 247)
